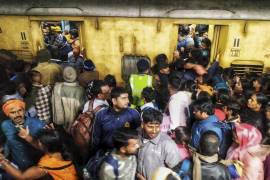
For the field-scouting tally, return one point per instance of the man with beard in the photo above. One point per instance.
(126, 145)
(22, 153)
(110, 119)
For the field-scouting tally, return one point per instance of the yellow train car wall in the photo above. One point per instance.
(108, 39)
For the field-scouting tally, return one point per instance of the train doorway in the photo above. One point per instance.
(209, 41)
(60, 37)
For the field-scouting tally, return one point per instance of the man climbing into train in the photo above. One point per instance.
(139, 81)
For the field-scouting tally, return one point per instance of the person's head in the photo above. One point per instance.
(202, 109)
(36, 77)
(151, 120)
(15, 110)
(43, 55)
(70, 74)
(143, 66)
(176, 83)
(99, 89)
(88, 65)
(246, 135)
(126, 141)
(18, 65)
(257, 102)
(206, 43)
(182, 135)
(110, 81)
(23, 84)
(74, 33)
(50, 141)
(119, 97)
(148, 94)
(161, 58)
(209, 143)
(231, 108)
(196, 53)
(163, 68)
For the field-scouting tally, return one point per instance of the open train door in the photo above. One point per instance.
(220, 38)
(43, 29)
(37, 36)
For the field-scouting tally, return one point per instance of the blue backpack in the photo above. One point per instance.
(184, 171)
(91, 170)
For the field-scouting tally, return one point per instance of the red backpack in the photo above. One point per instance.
(82, 128)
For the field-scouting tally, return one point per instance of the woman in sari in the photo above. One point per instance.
(247, 149)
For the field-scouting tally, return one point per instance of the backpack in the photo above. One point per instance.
(82, 128)
(91, 170)
(184, 171)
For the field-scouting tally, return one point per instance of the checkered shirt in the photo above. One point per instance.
(43, 105)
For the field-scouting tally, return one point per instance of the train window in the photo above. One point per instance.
(60, 37)
(129, 65)
(193, 41)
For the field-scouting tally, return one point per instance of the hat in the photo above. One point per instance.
(57, 29)
(69, 74)
(8, 105)
(88, 65)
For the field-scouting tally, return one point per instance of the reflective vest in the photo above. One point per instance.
(137, 83)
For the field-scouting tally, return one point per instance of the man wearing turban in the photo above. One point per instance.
(16, 129)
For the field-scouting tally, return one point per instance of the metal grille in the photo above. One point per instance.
(129, 65)
(242, 68)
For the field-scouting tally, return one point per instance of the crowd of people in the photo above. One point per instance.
(181, 119)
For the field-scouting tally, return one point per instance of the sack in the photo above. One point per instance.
(185, 170)
(82, 127)
(92, 168)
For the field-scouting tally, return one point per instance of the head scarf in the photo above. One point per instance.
(248, 136)
(12, 103)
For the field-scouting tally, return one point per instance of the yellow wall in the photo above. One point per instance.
(140, 36)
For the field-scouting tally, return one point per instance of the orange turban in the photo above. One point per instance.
(207, 89)
(12, 103)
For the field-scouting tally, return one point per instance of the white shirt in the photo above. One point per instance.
(97, 102)
(178, 105)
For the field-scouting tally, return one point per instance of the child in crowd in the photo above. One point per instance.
(182, 138)
(148, 96)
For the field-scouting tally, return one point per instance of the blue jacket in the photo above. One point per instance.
(199, 127)
(22, 153)
(108, 120)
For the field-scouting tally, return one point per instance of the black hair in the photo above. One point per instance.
(171, 177)
(110, 80)
(151, 115)
(18, 65)
(177, 81)
(234, 106)
(261, 99)
(74, 33)
(148, 94)
(142, 65)
(43, 55)
(204, 106)
(207, 42)
(117, 91)
(94, 88)
(53, 142)
(161, 58)
(209, 143)
(203, 95)
(182, 134)
(122, 135)
(222, 96)
(3, 74)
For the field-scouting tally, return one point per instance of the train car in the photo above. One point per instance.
(116, 33)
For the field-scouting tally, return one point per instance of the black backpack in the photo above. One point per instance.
(91, 170)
